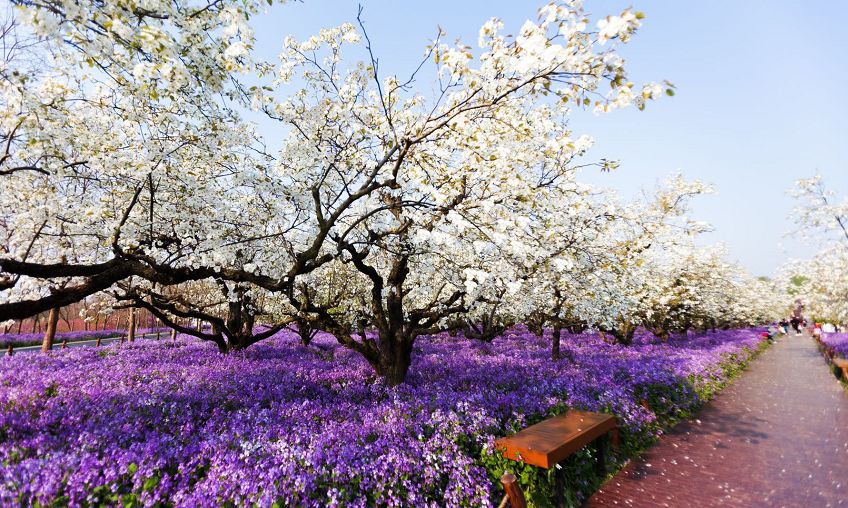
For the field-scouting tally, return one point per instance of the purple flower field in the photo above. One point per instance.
(837, 341)
(31, 339)
(176, 423)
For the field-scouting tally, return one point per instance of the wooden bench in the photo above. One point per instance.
(841, 364)
(553, 440)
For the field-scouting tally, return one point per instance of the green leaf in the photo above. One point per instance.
(150, 484)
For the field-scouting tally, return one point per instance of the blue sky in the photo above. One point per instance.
(761, 97)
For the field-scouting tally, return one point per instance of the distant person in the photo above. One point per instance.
(796, 323)
(770, 333)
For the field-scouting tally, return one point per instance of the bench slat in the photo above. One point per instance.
(554, 439)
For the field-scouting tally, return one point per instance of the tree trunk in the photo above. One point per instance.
(131, 325)
(661, 333)
(225, 344)
(555, 342)
(394, 363)
(306, 331)
(173, 334)
(536, 324)
(50, 334)
(391, 354)
(623, 334)
(577, 328)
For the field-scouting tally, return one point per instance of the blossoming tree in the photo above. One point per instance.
(821, 281)
(387, 212)
(135, 130)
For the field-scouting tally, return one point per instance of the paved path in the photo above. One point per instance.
(777, 436)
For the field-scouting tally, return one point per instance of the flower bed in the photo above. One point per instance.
(834, 345)
(32, 339)
(837, 342)
(176, 423)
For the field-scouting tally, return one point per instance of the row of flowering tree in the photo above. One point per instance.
(820, 281)
(386, 213)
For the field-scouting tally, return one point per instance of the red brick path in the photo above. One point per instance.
(778, 436)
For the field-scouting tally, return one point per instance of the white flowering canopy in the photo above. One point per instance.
(820, 282)
(129, 166)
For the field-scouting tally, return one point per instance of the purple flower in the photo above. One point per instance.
(178, 423)
(837, 341)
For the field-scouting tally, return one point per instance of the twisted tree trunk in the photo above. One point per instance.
(50, 334)
(555, 342)
(131, 325)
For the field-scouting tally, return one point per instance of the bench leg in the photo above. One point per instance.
(514, 494)
(600, 448)
(559, 485)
